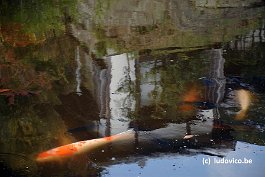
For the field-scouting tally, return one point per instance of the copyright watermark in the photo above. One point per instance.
(216, 161)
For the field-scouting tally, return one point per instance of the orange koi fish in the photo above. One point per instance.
(4, 90)
(81, 147)
(191, 96)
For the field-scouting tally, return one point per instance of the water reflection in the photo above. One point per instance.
(169, 70)
(172, 164)
(77, 72)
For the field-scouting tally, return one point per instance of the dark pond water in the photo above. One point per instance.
(186, 78)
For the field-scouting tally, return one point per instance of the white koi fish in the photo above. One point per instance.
(244, 99)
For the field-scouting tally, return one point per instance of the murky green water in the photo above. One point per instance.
(186, 76)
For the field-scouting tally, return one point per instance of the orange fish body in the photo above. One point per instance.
(5, 90)
(192, 95)
(80, 147)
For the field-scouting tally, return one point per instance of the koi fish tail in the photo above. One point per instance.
(124, 136)
(241, 114)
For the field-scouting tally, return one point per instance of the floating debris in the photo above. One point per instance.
(188, 137)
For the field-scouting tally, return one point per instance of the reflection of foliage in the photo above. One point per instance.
(101, 7)
(17, 75)
(24, 24)
(31, 125)
(170, 77)
(145, 29)
(177, 72)
(30, 121)
(36, 68)
(38, 15)
(14, 35)
(131, 33)
(105, 43)
(126, 85)
(101, 49)
(248, 62)
(252, 128)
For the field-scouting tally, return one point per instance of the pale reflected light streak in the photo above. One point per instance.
(77, 72)
(244, 99)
